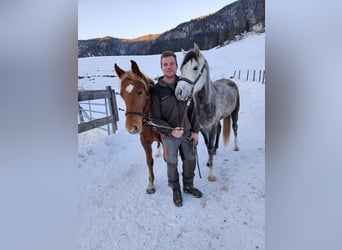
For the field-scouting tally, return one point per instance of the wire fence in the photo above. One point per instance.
(90, 110)
(250, 75)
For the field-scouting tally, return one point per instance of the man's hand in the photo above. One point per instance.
(177, 132)
(194, 137)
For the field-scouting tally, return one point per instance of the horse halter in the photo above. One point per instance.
(138, 113)
(197, 78)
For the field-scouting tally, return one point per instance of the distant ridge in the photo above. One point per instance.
(207, 31)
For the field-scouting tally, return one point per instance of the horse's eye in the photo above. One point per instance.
(140, 92)
(195, 68)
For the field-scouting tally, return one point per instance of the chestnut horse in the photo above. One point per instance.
(135, 90)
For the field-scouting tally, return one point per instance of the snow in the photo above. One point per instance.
(115, 212)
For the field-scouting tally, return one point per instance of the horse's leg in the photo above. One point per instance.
(217, 139)
(206, 137)
(235, 117)
(211, 149)
(209, 136)
(211, 177)
(206, 141)
(147, 145)
(158, 150)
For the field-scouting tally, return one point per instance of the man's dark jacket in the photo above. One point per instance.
(167, 111)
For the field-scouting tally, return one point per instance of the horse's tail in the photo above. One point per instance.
(226, 130)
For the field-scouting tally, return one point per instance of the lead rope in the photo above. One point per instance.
(198, 166)
(158, 126)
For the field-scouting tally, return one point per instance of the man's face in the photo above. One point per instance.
(169, 66)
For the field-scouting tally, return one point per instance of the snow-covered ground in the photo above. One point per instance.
(116, 212)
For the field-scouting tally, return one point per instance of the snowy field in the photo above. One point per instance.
(115, 211)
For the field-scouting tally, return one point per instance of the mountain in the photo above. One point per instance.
(208, 32)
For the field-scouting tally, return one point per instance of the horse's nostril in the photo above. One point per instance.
(133, 129)
(183, 95)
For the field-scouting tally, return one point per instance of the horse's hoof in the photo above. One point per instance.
(212, 178)
(150, 190)
(236, 149)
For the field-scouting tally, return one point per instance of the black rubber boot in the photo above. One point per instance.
(188, 179)
(193, 191)
(188, 173)
(172, 175)
(173, 179)
(177, 198)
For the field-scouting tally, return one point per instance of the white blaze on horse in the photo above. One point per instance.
(213, 101)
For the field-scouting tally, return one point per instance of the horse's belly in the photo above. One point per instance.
(206, 122)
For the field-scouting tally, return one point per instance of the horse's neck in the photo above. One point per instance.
(148, 105)
(205, 103)
(206, 94)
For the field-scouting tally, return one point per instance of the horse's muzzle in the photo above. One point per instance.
(181, 95)
(134, 130)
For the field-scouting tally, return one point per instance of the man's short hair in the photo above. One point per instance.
(167, 54)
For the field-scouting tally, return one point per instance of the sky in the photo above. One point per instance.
(115, 212)
(135, 18)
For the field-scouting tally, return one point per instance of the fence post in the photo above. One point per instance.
(253, 75)
(80, 113)
(112, 108)
(263, 77)
(90, 113)
(259, 75)
(239, 73)
(106, 106)
(247, 75)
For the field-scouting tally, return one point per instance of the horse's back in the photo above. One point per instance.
(226, 88)
(226, 85)
(226, 96)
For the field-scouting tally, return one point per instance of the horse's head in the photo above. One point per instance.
(134, 90)
(193, 72)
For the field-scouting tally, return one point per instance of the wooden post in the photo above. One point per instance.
(263, 77)
(247, 75)
(112, 108)
(116, 106)
(80, 113)
(259, 75)
(239, 74)
(253, 75)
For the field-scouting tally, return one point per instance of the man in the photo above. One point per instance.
(178, 126)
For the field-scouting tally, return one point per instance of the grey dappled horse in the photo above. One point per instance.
(213, 101)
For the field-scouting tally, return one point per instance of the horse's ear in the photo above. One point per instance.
(196, 49)
(184, 52)
(118, 70)
(135, 68)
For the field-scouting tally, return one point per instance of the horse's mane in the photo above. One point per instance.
(192, 55)
(189, 56)
(148, 83)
